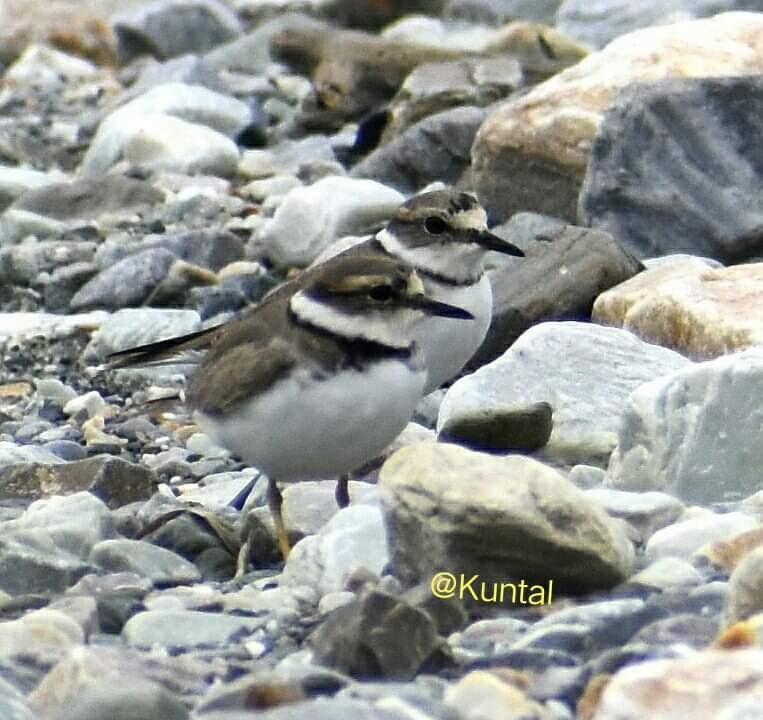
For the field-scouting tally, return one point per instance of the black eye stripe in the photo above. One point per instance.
(436, 225)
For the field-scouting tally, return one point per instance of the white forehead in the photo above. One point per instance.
(473, 219)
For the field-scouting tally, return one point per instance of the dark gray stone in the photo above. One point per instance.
(560, 276)
(436, 148)
(377, 636)
(498, 12)
(168, 28)
(673, 169)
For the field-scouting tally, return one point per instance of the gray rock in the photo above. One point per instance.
(168, 28)
(436, 148)
(745, 597)
(498, 12)
(662, 136)
(563, 272)
(352, 540)
(185, 628)
(194, 104)
(113, 480)
(137, 326)
(322, 708)
(40, 634)
(22, 264)
(129, 282)
(686, 629)
(160, 566)
(288, 157)
(694, 433)
(503, 519)
(646, 512)
(310, 218)
(379, 636)
(31, 562)
(599, 22)
(435, 87)
(587, 390)
(129, 699)
(684, 538)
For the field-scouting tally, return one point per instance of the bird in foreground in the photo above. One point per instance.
(313, 382)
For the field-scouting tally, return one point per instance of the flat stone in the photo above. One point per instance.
(185, 628)
(587, 396)
(703, 686)
(694, 433)
(25, 455)
(500, 429)
(15, 181)
(39, 633)
(491, 521)
(699, 311)
(160, 566)
(531, 153)
(564, 270)
(745, 597)
(667, 573)
(684, 538)
(727, 554)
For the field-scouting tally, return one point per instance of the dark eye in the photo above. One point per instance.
(435, 225)
(380, 293)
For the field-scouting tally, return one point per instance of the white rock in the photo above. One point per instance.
(92, 403)
(45, 67)
(310, 218)
(695, 433)
(684, 538)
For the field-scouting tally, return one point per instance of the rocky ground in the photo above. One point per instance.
(164, 164)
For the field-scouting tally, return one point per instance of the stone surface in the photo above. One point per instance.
(353, 540)
(726, 554)
(699, 311)
(310, 218)
(434, 149)
(157, 564)
(693, 433)
(563, 272)
(168, 28)
(481, 695)
(379, 635)
(531, 153)
(112, 479)
(500, 518)
(745, 597)
(684, 538)
(496, 12)
(704, 686)
(436, 87)
(667, 573)
(646, 512)
(662, 136)
(587, 396)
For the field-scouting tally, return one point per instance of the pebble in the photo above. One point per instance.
(745, 597)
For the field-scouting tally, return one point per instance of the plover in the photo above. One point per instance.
(316, 381)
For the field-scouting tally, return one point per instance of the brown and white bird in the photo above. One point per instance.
(318, 378)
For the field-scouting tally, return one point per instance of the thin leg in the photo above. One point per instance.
(242, 561)
(342, 492)
(274, 502)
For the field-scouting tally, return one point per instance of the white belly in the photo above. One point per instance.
(448, 344)
(303, 428)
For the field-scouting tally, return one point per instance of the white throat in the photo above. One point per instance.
(458, 262)
(390, 329)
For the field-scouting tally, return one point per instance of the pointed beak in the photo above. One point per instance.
(486, 239)
(434, 307)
